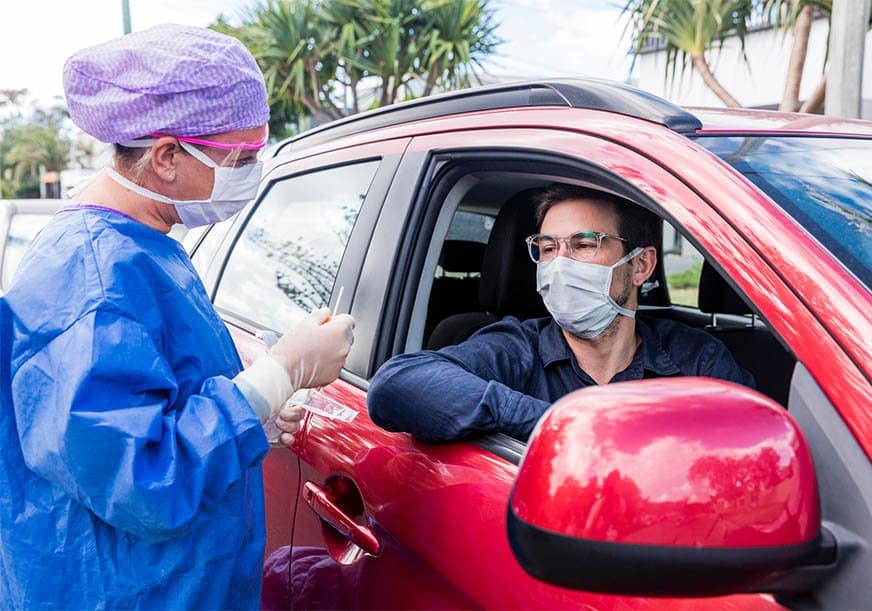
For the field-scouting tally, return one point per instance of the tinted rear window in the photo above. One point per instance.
(825, 184)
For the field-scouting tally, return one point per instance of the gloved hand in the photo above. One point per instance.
(288, 421)
(314, 350)
(311, 354)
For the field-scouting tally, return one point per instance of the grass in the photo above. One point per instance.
(684, 285)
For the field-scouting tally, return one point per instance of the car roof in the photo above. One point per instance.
(567, 93)
(745, 120)
(595, 94)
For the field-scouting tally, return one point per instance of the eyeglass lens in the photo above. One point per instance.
(581, 246)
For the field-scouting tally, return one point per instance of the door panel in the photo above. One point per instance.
(281, 468)
(439, 515)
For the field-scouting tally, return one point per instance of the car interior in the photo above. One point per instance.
(480, 272)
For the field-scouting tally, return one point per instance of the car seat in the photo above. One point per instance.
(457, 292)
(507, 286)
(754, 347)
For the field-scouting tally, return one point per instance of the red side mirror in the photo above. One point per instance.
(678, 487)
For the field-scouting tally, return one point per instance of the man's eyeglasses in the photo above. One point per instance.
(581, 246)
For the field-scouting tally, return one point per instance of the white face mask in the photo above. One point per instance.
(576, 294)
(233, 188)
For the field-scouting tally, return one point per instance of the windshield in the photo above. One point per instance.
(825, 184)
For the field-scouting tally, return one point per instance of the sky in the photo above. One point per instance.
(542, 38)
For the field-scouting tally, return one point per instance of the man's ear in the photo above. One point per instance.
(165, 158)
(644, 264)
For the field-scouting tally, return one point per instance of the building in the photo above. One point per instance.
(755, 83)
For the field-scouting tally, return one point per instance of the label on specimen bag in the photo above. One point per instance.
(313, 401)
(318, 403)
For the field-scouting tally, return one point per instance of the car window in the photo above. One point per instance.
(284, 263)
(22, 230)
(465, 227)
(683, 265)
(208, 246)
(470, 226)
(825, 184)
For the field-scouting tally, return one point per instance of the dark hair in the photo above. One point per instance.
(128, 155)
(638, 225)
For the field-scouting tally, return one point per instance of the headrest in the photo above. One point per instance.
(716, 296)
(461, 256)
(508, 275)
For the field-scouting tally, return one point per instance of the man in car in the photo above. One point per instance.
(593, 253)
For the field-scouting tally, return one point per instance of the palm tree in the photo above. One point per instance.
(799, 16)
(294, 48)
(460, 34)
(313, 52)
(690, 29)
(31, 146)
(392, 39)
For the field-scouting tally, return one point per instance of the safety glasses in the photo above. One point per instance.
(239, 154)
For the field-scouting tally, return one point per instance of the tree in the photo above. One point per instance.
(799, 16)
(314, 53)
(460, 33)
(30, 147)
(690, 29)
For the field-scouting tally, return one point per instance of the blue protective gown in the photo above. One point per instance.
(130, 473)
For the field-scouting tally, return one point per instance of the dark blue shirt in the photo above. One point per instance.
(503, 378)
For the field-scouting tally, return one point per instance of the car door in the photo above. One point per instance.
(385, 521)
(285, 256)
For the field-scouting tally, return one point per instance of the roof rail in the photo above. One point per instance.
(594, 94)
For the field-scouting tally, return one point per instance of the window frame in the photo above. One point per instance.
(240, 319)
(389, 154)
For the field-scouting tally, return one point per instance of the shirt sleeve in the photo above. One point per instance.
(472, 388)
(97, 416)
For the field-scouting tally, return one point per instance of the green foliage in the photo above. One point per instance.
(684, 285)
(29, 145)
(690, 28)
(326, 58)
(689, 278)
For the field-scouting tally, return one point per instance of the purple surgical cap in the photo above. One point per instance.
(174, 79)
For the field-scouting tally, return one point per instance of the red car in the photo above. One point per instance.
(672, 493)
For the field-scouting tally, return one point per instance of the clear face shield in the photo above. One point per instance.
(235, 154)
(237, 174)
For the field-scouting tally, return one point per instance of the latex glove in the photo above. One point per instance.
(288, 421)
(314, 350)
(311, 354)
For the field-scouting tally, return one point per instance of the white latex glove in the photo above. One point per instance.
(314, 350)
(310, 354)
(288, 422)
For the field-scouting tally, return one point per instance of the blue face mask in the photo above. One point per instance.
(576, 294)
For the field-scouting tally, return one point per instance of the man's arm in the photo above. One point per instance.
(473, 388)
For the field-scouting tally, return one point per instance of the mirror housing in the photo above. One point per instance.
(667, 487)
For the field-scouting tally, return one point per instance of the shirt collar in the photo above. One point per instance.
(553, 348)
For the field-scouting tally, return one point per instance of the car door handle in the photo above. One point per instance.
(321, 503)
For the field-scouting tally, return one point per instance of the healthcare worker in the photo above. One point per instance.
(132, 441)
